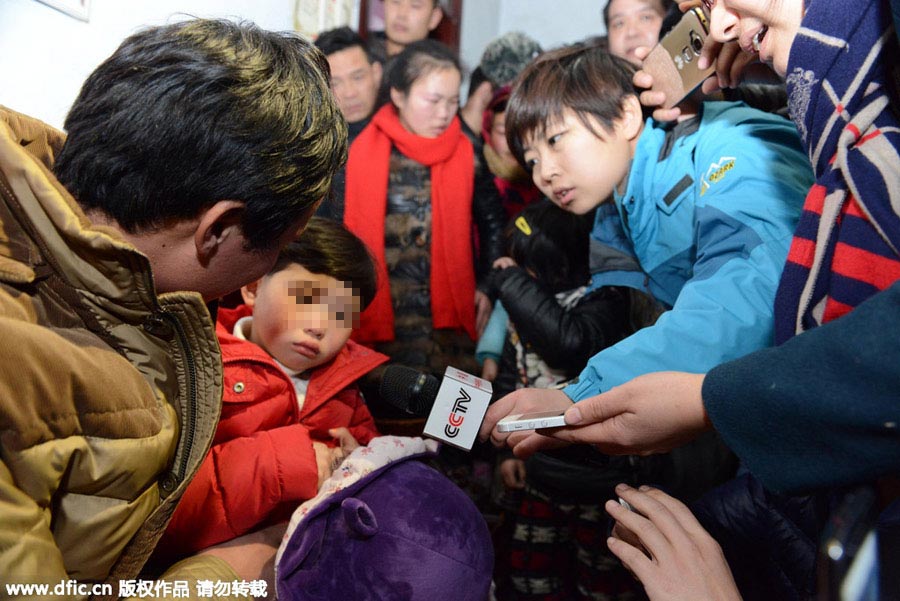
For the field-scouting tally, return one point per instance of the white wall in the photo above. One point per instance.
(550, 22)
(46, 55)
(553, 23)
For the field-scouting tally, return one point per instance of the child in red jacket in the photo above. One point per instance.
(291, 407)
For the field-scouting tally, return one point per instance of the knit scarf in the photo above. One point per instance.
(845, 248)
(451, 159)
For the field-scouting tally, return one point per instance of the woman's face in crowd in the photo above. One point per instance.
(764, 26)
(498, 139)
(431, 103)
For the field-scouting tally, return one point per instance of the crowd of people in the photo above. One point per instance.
(704, 291)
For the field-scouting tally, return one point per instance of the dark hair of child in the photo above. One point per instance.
(418, 59)
(585, 79)
(326, 247)
(551, 244)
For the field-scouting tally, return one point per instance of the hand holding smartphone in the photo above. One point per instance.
(531, 421)
(673, 62)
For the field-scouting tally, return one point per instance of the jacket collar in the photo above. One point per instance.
(56, 235)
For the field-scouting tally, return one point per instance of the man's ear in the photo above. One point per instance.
(219, 223)
(437, 13)
(631, 123)
(248, 293)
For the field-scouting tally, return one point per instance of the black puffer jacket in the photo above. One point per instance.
(564, 339)
(770, 541)
(489, 218)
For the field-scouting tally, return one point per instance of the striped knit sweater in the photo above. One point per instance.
(846, 244)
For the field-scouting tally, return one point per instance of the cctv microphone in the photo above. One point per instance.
(408, 389)
(459, 409)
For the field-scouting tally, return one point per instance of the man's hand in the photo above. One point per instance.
(513, 473)
(684, 562)
(526, 400)
(653, 413)
(252, 556)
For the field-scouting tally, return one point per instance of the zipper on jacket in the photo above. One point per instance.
(189, 416)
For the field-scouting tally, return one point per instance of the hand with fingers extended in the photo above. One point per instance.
(667, 549)
(653, 413)
(526, 400)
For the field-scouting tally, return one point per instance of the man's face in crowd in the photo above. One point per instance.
(633, 23)
(354, 81)
(408, 21)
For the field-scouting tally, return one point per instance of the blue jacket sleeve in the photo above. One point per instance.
(821, 410)
(490, 345)
(741, 226)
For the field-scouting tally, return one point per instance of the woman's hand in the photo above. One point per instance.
(489, 370)
(675, 559)
(483, 309)
(649, 98)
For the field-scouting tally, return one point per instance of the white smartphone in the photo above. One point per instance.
(531, 421)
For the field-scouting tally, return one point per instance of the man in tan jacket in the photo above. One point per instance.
(192, 155)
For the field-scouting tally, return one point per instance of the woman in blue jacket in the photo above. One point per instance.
(708, 207)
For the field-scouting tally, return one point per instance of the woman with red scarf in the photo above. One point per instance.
(411, 195)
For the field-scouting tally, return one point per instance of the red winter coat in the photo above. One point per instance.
(262, 464)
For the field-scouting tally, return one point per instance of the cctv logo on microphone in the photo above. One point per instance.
(457, 415)
(459, 409)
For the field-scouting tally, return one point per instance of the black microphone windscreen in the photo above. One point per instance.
(408, 389)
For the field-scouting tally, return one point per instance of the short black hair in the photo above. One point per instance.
(342, 38)
(326, 247)
(664, 4)
(586, 79)
(187, 114)
(416, 60)
(478, 77)
(552, 244)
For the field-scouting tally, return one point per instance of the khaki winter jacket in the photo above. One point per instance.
(109, 395)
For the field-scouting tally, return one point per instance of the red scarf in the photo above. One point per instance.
(451, 159)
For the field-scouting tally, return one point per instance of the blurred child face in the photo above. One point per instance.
(301, 319)
(408, 21)
(575, 168)
(632, 24)
(764, 26)
(431, 103)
